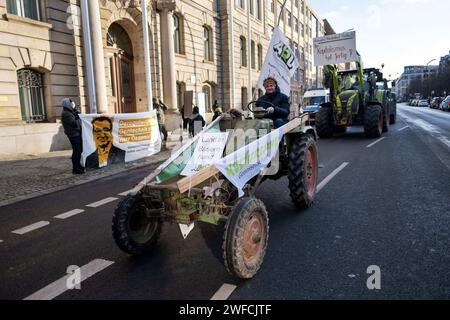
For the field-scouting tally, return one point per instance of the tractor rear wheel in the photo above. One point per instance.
(245, 238)
(135, 232)
(324, 122)
(373, 121)
(303, 171)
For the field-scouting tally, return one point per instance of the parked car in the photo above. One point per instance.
(445, 105)
(436, 102)
(422, 103)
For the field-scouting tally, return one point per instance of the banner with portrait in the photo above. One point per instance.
(119, 138)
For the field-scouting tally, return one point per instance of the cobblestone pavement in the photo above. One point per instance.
(28, 176)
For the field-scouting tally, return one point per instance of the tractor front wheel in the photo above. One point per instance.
(373, 121)
(303, 171)
(245, 238)
(133, 230)
(324, 122)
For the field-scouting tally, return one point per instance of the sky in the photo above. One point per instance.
(394, 32)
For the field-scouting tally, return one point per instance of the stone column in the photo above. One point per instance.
(98, 57)
(173, 118)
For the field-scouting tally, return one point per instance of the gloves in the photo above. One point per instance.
(270, 110)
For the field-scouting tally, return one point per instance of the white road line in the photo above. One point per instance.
(60, 286)
(123, 194)
(31, 227)
(331, 176)
(374, 143)
(101, 202)
(224, 292)
(69, 214)
(403, 128)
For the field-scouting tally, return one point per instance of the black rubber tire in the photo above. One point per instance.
(340, 129)
(371, 128)
(297, 172)
(393, 119)
(232, 248)
(121, 227)
(386, 121)
(324, 122)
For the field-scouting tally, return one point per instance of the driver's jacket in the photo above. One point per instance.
(280, 103)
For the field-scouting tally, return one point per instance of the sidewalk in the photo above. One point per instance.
(28, 176)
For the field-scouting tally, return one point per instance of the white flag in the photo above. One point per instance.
(280, 62)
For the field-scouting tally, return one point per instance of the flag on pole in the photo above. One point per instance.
(280, 62)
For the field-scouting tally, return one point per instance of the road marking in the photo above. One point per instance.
(69, 214)
(60, 286)
(31, 227)
(331, 176)
(101, 202)
(374, 143)
(224, 292)
(403, 128)
(123, 194)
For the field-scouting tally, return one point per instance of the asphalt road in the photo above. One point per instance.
(388, 207)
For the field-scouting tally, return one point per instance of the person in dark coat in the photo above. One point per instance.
(72, 128)
(279, 108)
(197, 122)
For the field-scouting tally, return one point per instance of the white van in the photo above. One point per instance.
(312, 99)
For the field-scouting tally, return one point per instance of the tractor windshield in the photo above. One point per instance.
(348, 81)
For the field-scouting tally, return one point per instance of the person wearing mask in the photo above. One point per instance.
(72, 128)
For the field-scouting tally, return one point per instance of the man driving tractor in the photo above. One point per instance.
(276, 103)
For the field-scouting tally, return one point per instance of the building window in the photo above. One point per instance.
(296, 3)
(241, 3)
(296, 24)
(244, 97)
(31, 95)
(206, 89)
(258, 9)
(280, 12)
(252, 7)
(207, 44)
(289, 18)
(178, 34)
(253, 49)
(24, 8)
(243, 51)
(260, 56)
(272, 5)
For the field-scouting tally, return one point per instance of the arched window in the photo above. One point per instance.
(252, 52)
(243, 47)
(206, 89)
(31, 95)
(178, 33)
(207, 44)
(260, 56)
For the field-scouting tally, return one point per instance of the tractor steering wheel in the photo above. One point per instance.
(259, 103)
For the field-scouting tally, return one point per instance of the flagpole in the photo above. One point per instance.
(281, 11)
(249, 54)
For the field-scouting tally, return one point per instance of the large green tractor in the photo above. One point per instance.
(355, 100)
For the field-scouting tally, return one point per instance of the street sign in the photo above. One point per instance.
(335, 49)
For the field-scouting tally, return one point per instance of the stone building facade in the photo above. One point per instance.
(204, 47)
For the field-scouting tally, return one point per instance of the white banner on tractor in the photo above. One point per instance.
(280, 62)
(335, 49)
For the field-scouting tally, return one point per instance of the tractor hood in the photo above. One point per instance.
(349, 101)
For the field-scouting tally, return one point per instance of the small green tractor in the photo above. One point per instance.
(357, 98)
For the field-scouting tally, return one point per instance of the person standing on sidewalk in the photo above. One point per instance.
(72, 128)
(160, 107)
